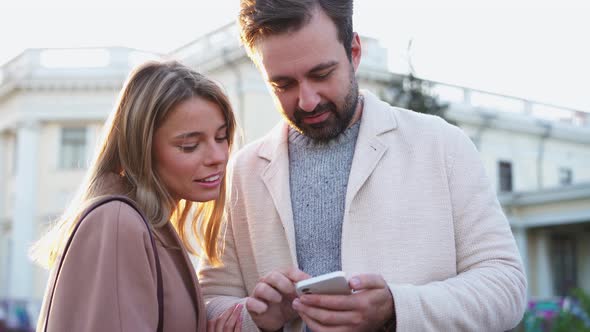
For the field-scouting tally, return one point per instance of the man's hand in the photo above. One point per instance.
(270, 304)
(367, 309)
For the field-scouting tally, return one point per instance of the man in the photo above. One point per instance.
(396, 199)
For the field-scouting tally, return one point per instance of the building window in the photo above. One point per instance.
(73, 148)
(505, 175)
(564, 261)
(565, 176)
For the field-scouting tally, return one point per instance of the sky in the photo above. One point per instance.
(533, 49)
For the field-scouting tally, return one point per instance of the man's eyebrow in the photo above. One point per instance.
(323, 66)
(320, 67)
(279, 78)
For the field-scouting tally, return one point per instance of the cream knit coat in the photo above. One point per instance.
(419, 210)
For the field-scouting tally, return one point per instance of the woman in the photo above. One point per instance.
(166, 147)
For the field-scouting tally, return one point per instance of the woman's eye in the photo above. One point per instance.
(187, 148)
(221, 139)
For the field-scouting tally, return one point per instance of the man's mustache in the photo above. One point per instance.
(320, 108)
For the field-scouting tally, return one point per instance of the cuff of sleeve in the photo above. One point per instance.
(406, 308)
(390, 324)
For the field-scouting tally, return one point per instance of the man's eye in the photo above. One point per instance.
(321, 76)
(281, 87)
(221, 139)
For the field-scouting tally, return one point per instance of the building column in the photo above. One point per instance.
(584, 261)
(25, 211)
(544, 273)
(521, 237)
(4, 168)
(3, 175)
(91, 142)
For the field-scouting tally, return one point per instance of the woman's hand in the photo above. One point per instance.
(229, 321)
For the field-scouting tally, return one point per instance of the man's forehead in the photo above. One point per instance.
(274, 67)
(280, 56)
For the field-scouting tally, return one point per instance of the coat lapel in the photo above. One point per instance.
(276, 179)
(377, 119)
(197, 297)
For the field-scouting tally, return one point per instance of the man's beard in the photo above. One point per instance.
(335, 124)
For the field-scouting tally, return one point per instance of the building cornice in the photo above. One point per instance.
(545, 196)
(60, 85)
(93, 69)
(518, 123)
(89, 84)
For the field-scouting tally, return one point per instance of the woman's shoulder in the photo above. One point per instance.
(114, 217)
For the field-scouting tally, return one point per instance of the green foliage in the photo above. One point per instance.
(415, 94)
(532, 322)
(568, 320)
(571, 313)
(583, 298)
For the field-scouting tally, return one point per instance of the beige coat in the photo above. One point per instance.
(108, 279)
(419, 210)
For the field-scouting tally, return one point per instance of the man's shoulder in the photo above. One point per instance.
(251, 149)
(405, 119)
(416, 119)
(428, 125)
(418, 128)
(256, 154)
(264, 146)
(431, 131)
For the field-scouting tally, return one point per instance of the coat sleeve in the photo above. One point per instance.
(223, 286)
(489, 291)
(108, 277)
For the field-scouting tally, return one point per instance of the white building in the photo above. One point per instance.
(53, 104)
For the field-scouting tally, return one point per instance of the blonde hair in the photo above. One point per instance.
(125, 153)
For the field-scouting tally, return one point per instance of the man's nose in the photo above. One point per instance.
(308, 97)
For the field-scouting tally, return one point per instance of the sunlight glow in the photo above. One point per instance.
(137, 57)
(458, 42)
(75, 58)
(553, 113)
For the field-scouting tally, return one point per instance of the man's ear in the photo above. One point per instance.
(356, 51)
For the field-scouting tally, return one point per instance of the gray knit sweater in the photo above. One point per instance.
(318, 179)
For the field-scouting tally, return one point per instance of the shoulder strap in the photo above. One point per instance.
(126, 200)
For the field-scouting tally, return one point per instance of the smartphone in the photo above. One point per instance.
(333, 283)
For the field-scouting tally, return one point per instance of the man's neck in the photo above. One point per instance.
(358, 112)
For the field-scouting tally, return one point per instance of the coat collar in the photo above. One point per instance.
(378, 118)
(196, 294)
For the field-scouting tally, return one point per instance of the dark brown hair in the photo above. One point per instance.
(259, 18)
